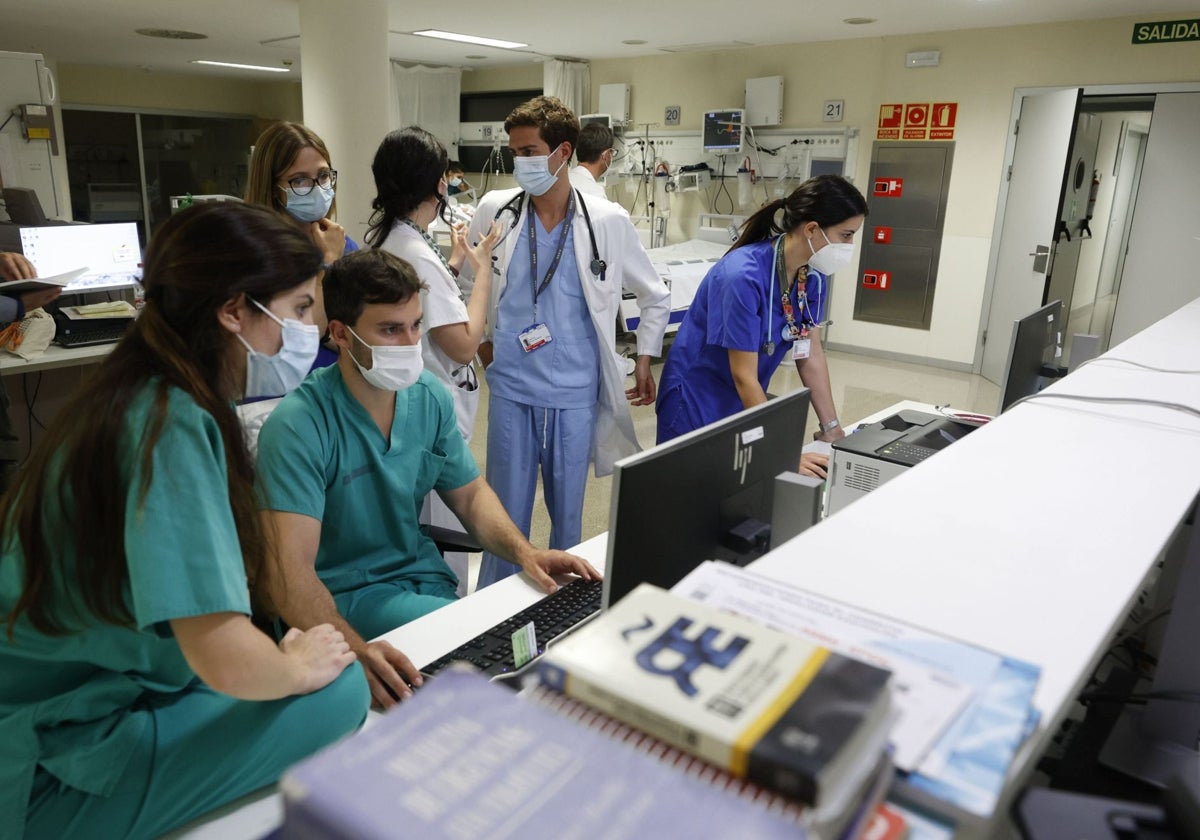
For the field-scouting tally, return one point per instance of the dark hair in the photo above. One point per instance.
(362, 277)
(594, 140)
(77, 479)
(274, 151)
(555, 122)
(824, 199)
(408, 165)
(454, 166)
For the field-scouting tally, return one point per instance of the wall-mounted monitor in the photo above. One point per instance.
(604, 119)
(723, 131)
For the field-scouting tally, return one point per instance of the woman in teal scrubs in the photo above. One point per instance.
(135, 693)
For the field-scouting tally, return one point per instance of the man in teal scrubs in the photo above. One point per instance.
(344, 464)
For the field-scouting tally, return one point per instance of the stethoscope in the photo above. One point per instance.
(777, 269)
(516, 204)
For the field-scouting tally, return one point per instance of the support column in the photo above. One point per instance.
(346, 81)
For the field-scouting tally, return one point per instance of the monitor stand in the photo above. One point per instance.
(1158, 741)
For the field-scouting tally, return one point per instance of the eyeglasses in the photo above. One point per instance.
(303, 185)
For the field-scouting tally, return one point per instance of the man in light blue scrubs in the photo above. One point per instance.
(344, 464)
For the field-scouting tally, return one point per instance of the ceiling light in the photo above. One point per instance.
(240, 66)
(469, 39)
(634, 42)
(477, 57)
(176, 34)
(858, 21)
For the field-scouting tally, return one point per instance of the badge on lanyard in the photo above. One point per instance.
(535, 336)
(801, 348)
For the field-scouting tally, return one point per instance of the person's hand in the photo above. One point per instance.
(486, 353)
(480, 254)
(830, 436)
(814, 464)
(14, 266)
(320, 655)
(39, 297)
(330, 237)
(542, 564)
(389, 674)
(644, 391)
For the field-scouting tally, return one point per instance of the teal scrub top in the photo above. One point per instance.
(321, 455)
(66, 702)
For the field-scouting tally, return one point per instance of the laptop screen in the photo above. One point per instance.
(110, 252)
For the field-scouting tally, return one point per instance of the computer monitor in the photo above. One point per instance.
(23, 206)
(723, 131)
(706, 495)
(604, 119)
(110, 252)
(1035, 344)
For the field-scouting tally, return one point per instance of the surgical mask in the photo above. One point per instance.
(831, 258)
(533, 173)
(456, 182)
(274, 376)
(393, 368)
(312, 207)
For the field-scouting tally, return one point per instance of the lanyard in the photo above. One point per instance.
(785, 287)
(533, 258)
(433, 246)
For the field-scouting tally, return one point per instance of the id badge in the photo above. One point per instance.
(535, 336)
(801, 348)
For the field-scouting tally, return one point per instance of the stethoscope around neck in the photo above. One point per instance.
(768, 345)
(516, 205)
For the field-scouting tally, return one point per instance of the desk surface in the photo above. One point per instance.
(54, 357)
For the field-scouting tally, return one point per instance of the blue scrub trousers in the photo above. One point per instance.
(201, 750)
(522, 439)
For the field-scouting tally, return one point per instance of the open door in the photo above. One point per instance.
(1031, 212)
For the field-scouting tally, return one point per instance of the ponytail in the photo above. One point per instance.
(824, 199)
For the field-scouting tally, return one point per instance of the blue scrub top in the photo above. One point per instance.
(566, 372)
(321, 455)
(66, 701)
(735, 307)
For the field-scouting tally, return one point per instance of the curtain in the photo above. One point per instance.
(570, 81)
(428, 97)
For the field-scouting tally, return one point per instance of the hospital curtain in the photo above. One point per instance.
(428, 97)
(570, 81)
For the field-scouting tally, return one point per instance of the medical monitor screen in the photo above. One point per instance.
(604, 120)
(723, 130)
(1034, 345)
(110, 253)
(704, 496)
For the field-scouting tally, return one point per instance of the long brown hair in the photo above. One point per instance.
(66, 511)
(274, 152)
(824, 199)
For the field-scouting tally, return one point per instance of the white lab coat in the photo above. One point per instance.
(628, 268)
(584, 181)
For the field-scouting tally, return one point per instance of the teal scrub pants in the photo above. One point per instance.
(379, 608)
(202, 750)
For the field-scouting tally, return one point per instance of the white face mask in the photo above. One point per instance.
(393, 368)
(274, 376)
(832, 257)
(533, 173)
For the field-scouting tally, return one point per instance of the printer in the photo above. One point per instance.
(878, 452)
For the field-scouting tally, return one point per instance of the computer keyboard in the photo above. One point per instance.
(492, 652)
(98, 335)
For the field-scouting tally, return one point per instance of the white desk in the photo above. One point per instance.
(54, 357)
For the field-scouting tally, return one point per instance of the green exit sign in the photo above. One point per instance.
(1166, 31)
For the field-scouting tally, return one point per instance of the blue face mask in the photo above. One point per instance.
(533, 173)
(312, 207)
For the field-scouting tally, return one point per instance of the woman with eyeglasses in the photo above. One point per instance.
(290, 173)
(135, 691)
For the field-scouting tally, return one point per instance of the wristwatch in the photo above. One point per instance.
(830, 426)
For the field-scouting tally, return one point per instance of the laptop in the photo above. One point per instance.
(111, 253)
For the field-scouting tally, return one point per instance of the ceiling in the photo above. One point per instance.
(267, 31)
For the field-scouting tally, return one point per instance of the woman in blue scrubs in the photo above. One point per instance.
(763, 303)
(135, 693)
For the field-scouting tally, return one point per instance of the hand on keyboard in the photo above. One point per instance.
(541, 564)
(390, 674)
